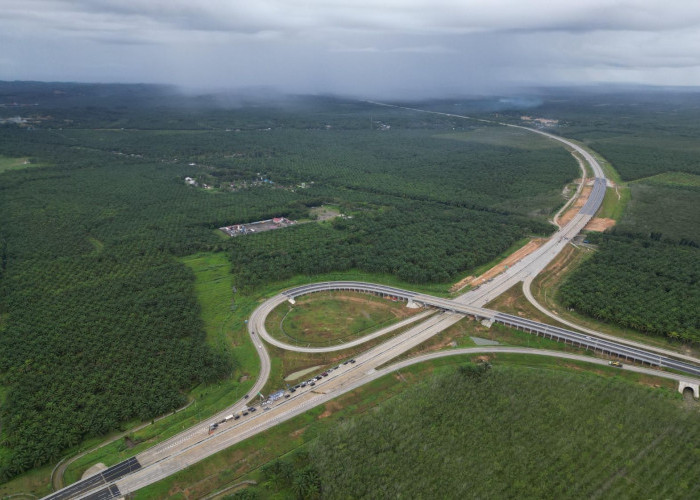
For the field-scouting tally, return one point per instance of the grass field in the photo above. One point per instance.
(614, 202)
(245, 461)
(7, 163)
(460, 335)
(332, 317)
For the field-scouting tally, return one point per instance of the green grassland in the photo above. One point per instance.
(614, 202)
(484, 428)
(676, 179)
(324, 318)
(16, 163)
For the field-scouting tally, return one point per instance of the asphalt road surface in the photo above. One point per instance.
(197, 443)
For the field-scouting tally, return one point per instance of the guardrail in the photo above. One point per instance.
(554, 332)
(595, 343)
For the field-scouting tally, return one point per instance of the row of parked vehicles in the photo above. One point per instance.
(251, 409)
(233, 416)
(312, 381)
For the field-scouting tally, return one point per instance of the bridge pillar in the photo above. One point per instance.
(682, 386)
(291, 300)
(412, 305)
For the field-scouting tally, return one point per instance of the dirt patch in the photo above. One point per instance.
(324, 213)
(650, 383)
(461, 284)
(505, 263)
(297, 432)
(94, 470)
(599, 224)
(331, 407)
(578, 203)
(482, 359)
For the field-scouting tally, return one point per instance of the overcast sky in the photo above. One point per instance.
(362, 47)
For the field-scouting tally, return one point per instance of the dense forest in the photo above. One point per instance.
(98, 320)
(417, 242)
(645, 275)
(503, 432)
(646, 285)
(665, 210)
(646, 272)
(642, 132)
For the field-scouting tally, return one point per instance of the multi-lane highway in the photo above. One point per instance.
(610, 347)
(198, 442)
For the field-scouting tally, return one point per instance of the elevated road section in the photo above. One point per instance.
(613, 348)
(197, 443)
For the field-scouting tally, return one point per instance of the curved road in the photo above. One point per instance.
(196, 443)
(610, 345)
(339, 382)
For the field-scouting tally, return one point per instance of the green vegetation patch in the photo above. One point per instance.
(663, 211)
(649, 154)
(676, 179)
(614, 203)
(512, 432)
(323, 318)
(417, 242)
(280, 461)
(7, 163)
(645, 285)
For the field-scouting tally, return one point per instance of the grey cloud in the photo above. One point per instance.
(428, 46)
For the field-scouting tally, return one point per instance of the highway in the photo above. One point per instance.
(346, 378)
(196, 443)
(540, 258)
(589, 340)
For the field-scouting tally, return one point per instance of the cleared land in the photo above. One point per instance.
(8, 163)
(600, 224)
(501, 266)
(577, 204)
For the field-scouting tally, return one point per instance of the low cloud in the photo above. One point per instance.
(338, 46)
